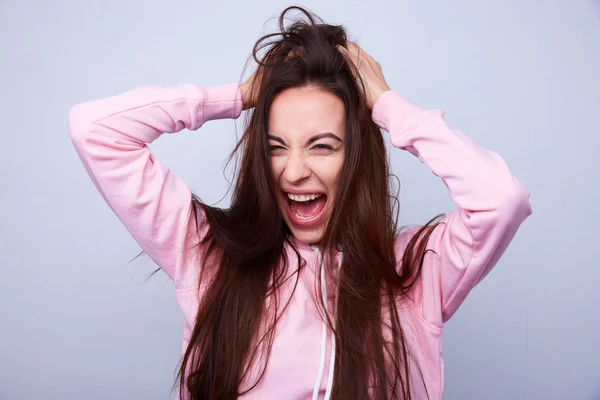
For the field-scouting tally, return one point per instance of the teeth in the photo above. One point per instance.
(308, 197)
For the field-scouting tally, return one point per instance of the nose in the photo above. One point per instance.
(295, 168)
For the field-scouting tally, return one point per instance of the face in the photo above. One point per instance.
(306, 145)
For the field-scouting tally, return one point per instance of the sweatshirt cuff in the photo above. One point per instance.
(391, 109)
(221, 102)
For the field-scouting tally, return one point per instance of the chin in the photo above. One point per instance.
(309, 237)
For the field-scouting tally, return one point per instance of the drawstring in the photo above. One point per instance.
(324, 334)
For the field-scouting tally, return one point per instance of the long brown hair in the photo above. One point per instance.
(239, 311)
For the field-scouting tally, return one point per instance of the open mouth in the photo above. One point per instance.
(305, 208)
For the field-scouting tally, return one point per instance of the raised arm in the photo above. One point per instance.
(491, 202)
(111, 137)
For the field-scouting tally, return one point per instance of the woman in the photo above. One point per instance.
(304, 287)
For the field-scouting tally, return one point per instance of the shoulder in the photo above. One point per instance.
(404, 236)
(414, 235)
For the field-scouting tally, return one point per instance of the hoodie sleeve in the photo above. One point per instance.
(111, 137)
(491, 204)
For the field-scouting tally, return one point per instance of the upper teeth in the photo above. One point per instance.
(307, 197)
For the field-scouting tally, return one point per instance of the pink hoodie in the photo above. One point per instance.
(110, 136)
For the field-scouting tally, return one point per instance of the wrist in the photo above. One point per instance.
(220, 102)
(244, 96)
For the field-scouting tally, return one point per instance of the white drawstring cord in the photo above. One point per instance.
(324, 335)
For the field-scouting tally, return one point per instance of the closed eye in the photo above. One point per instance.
(273, 149)
(323, 146)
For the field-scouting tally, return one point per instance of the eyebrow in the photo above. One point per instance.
(313, 139)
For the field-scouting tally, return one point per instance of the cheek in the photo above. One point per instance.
(277, 166)
(328, 170)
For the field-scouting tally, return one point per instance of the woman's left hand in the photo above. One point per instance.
(369, 70)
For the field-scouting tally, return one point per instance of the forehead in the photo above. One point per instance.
(299, 113)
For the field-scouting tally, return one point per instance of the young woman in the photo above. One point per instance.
(305, 288)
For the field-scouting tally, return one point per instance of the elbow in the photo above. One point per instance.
(516, 203)
(77, 123)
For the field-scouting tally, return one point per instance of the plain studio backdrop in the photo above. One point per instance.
(77, 321)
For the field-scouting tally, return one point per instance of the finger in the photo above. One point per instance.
(351, 44)
(360, 54)
(293, 53)
(354, 49)
(351, 53)
(346, 53)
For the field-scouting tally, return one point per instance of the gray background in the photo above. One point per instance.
(77, 321)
